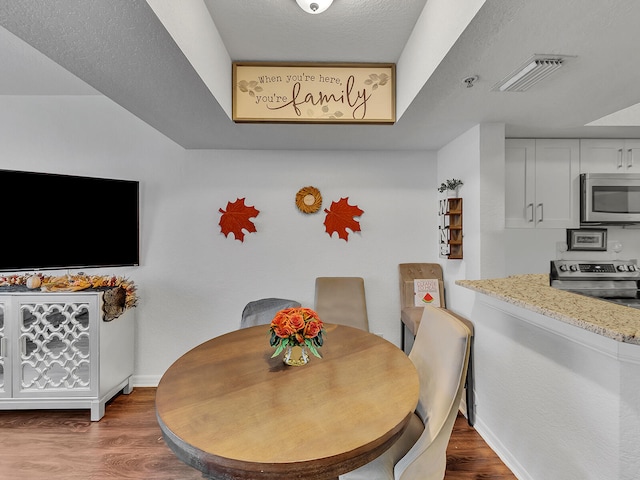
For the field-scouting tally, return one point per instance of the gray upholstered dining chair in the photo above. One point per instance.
(342, 300)
(262, 311)
(440, 354)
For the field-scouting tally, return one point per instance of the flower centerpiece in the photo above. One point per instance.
(296, 327)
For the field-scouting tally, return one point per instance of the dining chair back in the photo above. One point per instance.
(440, 355)
(408, 272)
(262, 311)
(410, 314)
(342, 300)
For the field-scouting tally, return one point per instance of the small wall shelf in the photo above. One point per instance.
(450, 228)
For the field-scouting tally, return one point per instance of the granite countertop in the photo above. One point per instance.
(533, 292)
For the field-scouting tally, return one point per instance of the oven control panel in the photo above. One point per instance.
(587, 270)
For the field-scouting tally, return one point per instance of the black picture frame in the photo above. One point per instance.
(587, 239)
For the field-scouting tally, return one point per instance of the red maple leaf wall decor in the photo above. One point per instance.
(236, 219)
(340, 217)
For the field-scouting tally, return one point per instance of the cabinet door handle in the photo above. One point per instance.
(541, 208)
(630, 158)
(530, 206)
(619, 158)
(3, 347)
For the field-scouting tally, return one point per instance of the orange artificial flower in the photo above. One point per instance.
(312, 329)
(296, 326)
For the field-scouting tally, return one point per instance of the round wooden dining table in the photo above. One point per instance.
(230, 410)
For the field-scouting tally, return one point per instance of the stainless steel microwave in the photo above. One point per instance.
(609, 198)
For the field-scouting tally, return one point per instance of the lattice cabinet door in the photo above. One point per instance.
(56, 347)
(5, 370)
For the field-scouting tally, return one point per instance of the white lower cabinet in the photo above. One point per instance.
(542, 183)
(56, 351)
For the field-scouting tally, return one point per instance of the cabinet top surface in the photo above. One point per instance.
(22, 290)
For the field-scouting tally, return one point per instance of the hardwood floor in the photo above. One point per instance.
(470, 458)
(127, 444)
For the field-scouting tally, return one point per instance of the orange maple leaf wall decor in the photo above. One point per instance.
(236, 219)
(340, 217)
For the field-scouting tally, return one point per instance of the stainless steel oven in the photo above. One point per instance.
(613, 280)
(609, 198)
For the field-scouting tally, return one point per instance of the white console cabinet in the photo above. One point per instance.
(57, 352)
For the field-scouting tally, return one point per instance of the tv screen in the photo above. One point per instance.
(62, 221)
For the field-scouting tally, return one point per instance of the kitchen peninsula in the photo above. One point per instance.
(532, 292)
(557, 379)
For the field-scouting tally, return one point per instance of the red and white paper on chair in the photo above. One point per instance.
(426, 291)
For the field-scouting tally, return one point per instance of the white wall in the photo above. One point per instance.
(477, 158)
(193, 282)
(531, 249)
(630, 239)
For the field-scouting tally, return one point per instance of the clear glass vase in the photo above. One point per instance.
(295, 355)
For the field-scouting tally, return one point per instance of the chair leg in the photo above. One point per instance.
(471, 410)
(407, 339)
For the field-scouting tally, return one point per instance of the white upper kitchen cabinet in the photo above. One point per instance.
(609, 156)
(542, 183)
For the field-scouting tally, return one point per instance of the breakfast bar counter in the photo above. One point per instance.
(557, 379)
(532, 292)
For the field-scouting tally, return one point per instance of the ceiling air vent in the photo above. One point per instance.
(531, 72)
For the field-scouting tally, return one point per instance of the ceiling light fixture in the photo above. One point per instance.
(531, 72)
(470, 81)
(314, 6)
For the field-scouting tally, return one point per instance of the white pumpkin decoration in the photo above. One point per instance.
(34, 281)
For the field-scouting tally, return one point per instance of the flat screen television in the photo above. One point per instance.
(51, 221)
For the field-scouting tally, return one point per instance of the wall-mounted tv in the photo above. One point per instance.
(51, 221)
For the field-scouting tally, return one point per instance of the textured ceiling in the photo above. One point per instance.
(349, 31)
(169, 63)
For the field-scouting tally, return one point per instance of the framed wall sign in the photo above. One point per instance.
(587, 239)
(314, 93)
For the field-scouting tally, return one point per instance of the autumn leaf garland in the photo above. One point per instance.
(340, 218)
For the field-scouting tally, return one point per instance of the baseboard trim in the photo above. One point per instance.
(146, 380)
(501, 450)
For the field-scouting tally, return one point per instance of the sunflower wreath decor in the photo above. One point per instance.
(308, 200)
